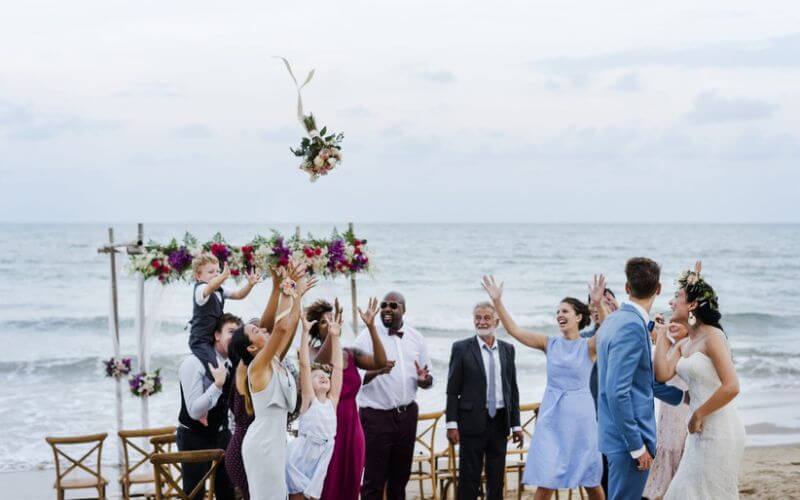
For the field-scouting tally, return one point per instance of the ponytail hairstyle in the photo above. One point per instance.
(581, 309)
(698, 290)
(239, 344)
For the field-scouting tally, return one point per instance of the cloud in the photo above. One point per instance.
(629, 82)
(570, 82)
(357, 111)
(285, 134)
(149, 90)
(778, 52)
(20, 122)
(709, 107)
(193, 131)
(438, 76)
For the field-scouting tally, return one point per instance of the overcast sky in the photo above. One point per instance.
(464, 111)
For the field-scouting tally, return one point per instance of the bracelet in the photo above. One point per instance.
(289, 287)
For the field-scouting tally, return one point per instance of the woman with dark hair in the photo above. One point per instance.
(343, 481)
(242, 419)
(714, 448)
(270, 391)
(564, 451)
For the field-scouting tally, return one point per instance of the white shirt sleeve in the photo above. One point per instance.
(452, 425)
(198, 402)
(201, 299)
(638, 453)
(424, 359)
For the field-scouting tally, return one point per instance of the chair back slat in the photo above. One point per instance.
(162, 463)
(136, 455)
(58, 444)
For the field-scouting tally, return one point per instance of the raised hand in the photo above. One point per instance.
(306, 284)
(494, 290)
(368, 316)
(296, 271)
(677, 331)
(335, 326)
(253, 277)
(219, 374)
(597, 289)
(226, 271)
(698, 266)
(307, 325)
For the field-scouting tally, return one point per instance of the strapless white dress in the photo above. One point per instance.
(711, 458)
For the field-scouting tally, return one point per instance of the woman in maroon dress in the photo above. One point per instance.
(233, 455)
(343, 481)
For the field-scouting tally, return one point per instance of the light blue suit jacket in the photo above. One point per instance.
(626, 386)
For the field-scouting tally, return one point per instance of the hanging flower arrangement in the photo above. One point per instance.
(146, 383)
(117, 368)
(339, 255)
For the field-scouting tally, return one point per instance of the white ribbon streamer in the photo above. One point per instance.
(300, 114)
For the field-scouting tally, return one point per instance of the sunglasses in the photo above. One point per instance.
(392, 305)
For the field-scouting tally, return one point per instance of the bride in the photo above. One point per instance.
(713, 452)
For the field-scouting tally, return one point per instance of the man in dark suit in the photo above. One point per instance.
(482, 405)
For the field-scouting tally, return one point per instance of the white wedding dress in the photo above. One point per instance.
(711, 459)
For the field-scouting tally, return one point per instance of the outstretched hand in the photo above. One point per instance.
(253, 277)
(422, 372)
(494, 290)
(597, 289)
(698, 266)
(368, 316)
(335, 326)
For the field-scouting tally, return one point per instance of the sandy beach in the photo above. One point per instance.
(771, 472)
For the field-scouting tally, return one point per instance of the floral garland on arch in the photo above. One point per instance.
(144, 384)
(339, 255)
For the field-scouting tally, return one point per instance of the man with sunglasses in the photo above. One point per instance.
(482, 405)
(387, 401)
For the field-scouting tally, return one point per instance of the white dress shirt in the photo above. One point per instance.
(399, 386)
(191, 374)
(487, 351)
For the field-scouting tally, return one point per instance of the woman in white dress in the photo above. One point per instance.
(271, 392)
(714, 448)
(308, 456)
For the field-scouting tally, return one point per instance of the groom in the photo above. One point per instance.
(626, 413)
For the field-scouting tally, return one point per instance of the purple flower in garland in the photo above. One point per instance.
(117, 368)
(337, 257)
(359, 263)
(221, 252)
(180, 259)
(282, 252)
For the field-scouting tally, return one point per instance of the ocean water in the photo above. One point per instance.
(55, 301)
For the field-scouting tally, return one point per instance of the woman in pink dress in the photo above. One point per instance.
(346, 467)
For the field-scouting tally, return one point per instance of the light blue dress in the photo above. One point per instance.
(564, 451)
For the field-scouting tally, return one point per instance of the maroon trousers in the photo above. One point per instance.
(390, 437)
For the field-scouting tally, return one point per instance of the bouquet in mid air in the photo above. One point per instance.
(320, 151)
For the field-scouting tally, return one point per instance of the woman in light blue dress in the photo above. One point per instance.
(564, 451)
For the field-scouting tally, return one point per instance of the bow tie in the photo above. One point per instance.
(397, 333)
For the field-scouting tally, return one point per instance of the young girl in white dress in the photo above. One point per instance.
(308, 456)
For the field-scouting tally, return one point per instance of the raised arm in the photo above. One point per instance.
(376, 360)
(335, 331)
(216, 282)
(268, 316)
(664, 361)
(303, 359)
(717, 351)
(527, 337)
(253, 277)
(281, 337)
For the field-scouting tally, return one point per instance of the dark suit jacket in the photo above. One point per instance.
(466, 386)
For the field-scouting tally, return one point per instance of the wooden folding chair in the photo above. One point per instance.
(94, 480)
(164, 444)
(515, 457)
(163, 464)
(425, 454)
(135, 456)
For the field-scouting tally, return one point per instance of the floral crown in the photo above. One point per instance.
(322, 366)
(698, 289)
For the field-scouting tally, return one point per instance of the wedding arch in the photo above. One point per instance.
(338, 256)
